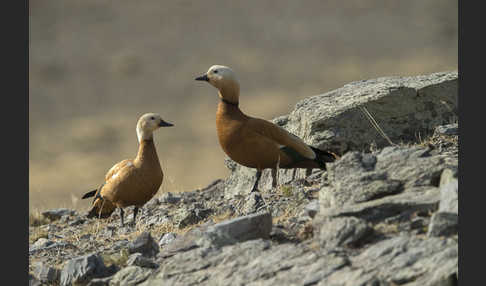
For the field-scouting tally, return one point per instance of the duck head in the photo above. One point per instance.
(148, 123)
(224, 79)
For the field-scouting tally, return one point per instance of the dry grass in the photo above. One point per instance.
(288, 213)
(36, 234)
(36, 218)
(386, 228)
(94, 228)
(118, 258)
(306, 232)
(222, 217)
(285, 190)
(157, 231)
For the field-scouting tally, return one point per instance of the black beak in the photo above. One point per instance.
(203, 77)
(165, 124)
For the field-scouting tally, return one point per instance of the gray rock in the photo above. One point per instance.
(312, 208)
(350, 276)
(77, 221)
(105, 281)
(354, 184)
(137, 259)
(46, 273)
(380, 209)
(187, 217)
(154, 202)
(342, 231)
(144, 244)
(167, 238)
(181, 243)
(449, 129)
(82, 269)
(448, 175)
(49, 245)
(214, 186)
(110, 230)
(57, 213)
(130, 275)
(218, 235)
(169, 198)
(40, 243)
(120, 244)
(443, 224)
(402, 106)
(396, 172)
(253, 203)
(54, 236)
(253, 262)
(157, 219)
(240, 229)
(404, 259)
(398, 260)
(65, 219)
(449, 197)
(34, 281)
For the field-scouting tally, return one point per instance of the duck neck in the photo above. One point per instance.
(147, 155)
(230, 93)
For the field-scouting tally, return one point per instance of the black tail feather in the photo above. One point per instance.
(323, 157)
(89, 194)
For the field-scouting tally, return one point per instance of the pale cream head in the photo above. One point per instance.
(224, 79)
(148, 123)
(219, 76)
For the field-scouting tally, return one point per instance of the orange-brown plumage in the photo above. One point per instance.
(132, 182)
(253, 142)
(137, 181)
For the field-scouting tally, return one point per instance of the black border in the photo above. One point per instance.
(471, 127)
(14, 25)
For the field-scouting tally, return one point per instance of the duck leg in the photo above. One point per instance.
(275, 172)
(274, 178)
(255, 186)
(308, 172)
(135, 211)
(122, 213)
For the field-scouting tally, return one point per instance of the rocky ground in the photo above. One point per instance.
(385, 216)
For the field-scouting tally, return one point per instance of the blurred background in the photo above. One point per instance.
(95, 66)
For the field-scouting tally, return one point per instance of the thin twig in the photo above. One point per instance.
(375, 125)
(99, 216)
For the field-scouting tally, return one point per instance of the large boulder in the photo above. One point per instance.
(404, 107)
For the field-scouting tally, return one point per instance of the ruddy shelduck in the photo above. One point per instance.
(131, 182)
(254, 142)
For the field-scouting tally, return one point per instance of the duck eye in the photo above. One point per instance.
(215, 71)
(152, 118)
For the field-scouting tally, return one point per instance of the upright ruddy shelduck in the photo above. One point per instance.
(254, 142)
(131, 182)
